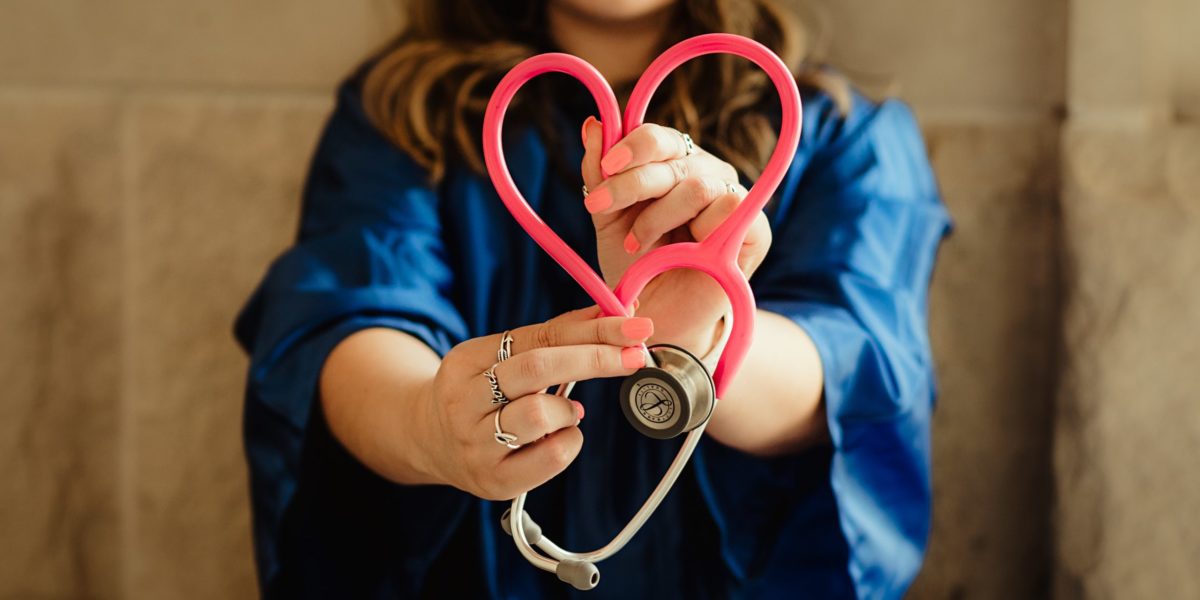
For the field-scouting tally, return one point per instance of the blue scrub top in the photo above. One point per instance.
(857, 224)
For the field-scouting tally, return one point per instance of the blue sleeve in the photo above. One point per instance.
(856, 229)
(369, 254)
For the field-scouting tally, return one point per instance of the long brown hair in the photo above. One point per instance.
(427, 90)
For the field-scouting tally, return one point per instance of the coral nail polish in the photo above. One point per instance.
(638, 328)
(583, 134)
(598, 200)
(579, 412)
(615, 160)
(633, 358)
(631, 243)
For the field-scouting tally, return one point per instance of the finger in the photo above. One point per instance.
(758, 236)
(530, 466)
(654, 180)
(646, 144)
(538, 369)
(682, 204)
(613, 331)
(477, 347)
(592, 140)
(535, 416)
(569, 329)
(714, 214)
(754, 248)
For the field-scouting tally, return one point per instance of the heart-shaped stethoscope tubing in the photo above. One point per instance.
(716, 256)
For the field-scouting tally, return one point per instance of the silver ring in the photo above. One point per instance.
(585, 190)
(505, 351)
(507, 440)
(689, 148)
(732, 187)
(498, 396)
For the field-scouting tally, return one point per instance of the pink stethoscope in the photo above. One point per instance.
(674, 393)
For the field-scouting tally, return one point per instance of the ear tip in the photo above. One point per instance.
(580, 574)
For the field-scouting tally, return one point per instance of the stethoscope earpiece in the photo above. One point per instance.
(672, 397)
(581, 574)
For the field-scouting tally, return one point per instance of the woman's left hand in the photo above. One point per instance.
(648, 191)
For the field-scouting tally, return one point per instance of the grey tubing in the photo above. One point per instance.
(533, 531)
(582, 575)
(631, 528)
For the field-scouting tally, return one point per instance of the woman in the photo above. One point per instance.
(369, 421)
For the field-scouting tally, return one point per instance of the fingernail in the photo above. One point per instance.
(636, 303)
(633, 358)
(598, 200)
(578, 409)
(631, 243)
(586, 122)
(638, 328)
(615, 160)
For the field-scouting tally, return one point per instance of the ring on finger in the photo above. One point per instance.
(585, 191)
(505, 351)
(498, 396)
(503, 438)
(689, 147)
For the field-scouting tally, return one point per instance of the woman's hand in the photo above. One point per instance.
(656, 194)
(459, 447)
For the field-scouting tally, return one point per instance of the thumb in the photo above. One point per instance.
(592, 135)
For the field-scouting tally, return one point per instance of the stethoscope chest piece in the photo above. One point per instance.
(673, 397)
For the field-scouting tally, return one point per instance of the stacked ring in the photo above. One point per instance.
(505, 351)
(498, 396)
(507, 440)
(689, 147)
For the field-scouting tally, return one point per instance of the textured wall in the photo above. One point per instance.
(151, 155)
(1128, 430)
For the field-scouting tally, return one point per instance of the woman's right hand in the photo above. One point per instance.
(459, 446)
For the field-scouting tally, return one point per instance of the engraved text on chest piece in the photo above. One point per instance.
(655, 403)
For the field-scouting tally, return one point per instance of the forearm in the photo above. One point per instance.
(773, 406)
(371, 388)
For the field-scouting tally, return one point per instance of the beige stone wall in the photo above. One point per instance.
(151, 155)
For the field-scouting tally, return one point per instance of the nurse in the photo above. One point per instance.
(412, 308)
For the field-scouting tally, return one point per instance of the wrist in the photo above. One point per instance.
(418, 433)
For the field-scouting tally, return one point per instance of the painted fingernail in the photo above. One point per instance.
(633, 358)
(579, 412)
(638, 328)
(631, 243)
(615, 160)
(636, 303)
(586, 122)
(598, 200)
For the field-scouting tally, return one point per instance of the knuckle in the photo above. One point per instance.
(641, 177)
(679, 169)
(728, 203)
(546, 335)
(600, 329)
(537, 413)
(698, 193)
(535, 365)
(598, 358)
(559, 454)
